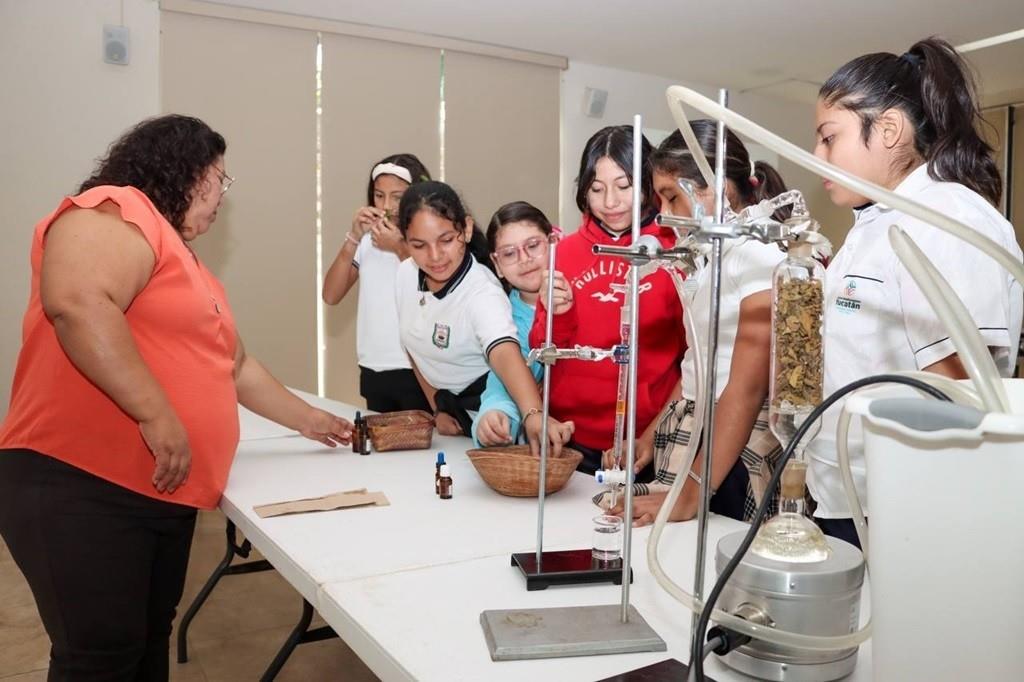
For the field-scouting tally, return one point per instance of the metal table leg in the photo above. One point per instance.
(223, 568)
(300, 634)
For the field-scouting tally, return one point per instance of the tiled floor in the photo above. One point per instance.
(234, 637)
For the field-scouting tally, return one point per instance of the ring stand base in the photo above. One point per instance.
(569, 567)
(517, 634)
(664, 671)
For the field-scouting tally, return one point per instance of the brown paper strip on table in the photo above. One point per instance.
(342, 500)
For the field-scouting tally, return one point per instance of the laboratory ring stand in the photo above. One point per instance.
(300, 634)
(514, 634)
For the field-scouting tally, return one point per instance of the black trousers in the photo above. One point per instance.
(106, 566)
(844, 529)
(731, 496)
(392, 390)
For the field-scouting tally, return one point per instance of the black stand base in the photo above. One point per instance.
(569, 567)
(659, 672)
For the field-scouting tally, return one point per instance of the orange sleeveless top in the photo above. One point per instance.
(186, 335)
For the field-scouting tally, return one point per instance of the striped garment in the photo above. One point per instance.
(672, 437)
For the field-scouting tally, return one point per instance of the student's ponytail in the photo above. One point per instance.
(754, 181)
(769, 184)
(933, 86)
(951, 142)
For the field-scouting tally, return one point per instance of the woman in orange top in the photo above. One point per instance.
(123, 416)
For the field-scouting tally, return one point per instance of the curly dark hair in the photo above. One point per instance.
(164, 158)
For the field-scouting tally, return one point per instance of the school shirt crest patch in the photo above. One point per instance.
(442, 334)
(848, 303)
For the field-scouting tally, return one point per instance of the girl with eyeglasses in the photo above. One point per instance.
(455, 320)
(518, 237)
(590, 293)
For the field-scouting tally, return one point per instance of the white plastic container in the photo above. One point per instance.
(946, 536)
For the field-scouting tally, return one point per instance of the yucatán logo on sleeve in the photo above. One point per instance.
(442, 335)
(848, 302)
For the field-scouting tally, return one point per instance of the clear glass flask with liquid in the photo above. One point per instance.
(797, 384)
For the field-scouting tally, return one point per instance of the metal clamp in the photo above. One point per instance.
(549, 355)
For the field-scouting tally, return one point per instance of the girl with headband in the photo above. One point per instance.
(372, 251)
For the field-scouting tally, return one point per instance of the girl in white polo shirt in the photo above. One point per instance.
(455, 319)
(371, 252)
(745, 450)
(910, 124)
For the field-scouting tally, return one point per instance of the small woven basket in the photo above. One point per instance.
(406, 430)
(512, 470)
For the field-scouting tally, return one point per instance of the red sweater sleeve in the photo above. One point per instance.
(563, 327)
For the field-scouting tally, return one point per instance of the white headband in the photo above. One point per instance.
(391, 169)
(753, 169)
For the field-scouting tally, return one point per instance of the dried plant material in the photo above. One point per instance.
(798, 356)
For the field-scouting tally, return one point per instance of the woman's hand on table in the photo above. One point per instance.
(447, 425)
(326, 428)
(493, 429)
(166, 438)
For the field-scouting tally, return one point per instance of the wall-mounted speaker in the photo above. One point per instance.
(116, 43)
(594, 101)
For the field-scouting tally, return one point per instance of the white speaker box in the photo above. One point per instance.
(116, 43)
(594, 101)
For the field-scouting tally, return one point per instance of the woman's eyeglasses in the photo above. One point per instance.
(225, 180)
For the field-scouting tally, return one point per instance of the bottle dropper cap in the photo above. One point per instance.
(445, 471)
(440, 457)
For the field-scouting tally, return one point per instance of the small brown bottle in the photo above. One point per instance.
(357, 434)
(444, 488)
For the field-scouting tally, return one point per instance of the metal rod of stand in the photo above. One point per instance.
(634, 303)
(546, 403)
(696, 645)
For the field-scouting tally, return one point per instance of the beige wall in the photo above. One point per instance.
(62, 106)
(1009, 158)
(1017, 214)
(502, 126)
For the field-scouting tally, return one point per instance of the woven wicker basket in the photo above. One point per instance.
(407, 430)
(512, 470)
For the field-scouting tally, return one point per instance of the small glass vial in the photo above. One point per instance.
(437, 472)
(444, 483)
(365, 442)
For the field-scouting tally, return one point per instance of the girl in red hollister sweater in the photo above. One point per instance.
(587, 307)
